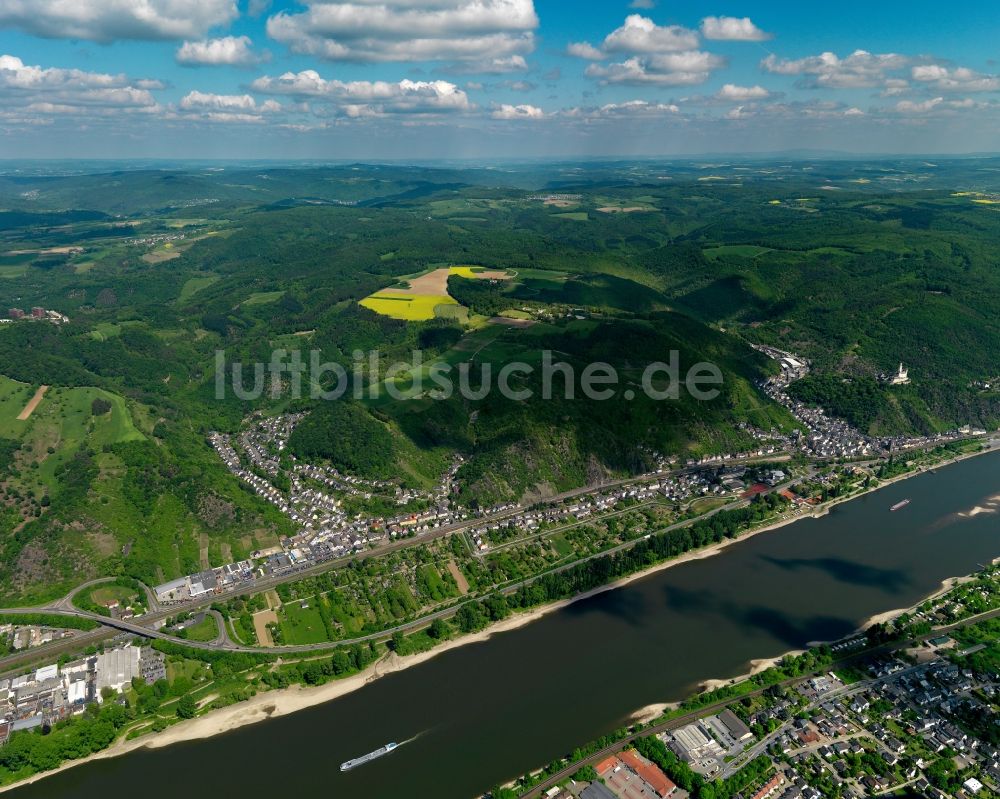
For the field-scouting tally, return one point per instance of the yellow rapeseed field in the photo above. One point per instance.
(409, 307)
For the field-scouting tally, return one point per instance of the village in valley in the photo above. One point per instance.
(313, 495)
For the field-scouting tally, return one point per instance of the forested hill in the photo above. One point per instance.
(857, 266)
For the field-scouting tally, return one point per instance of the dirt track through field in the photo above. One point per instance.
(460, 581)
(436, 283)
(32, 404)
(260, 621)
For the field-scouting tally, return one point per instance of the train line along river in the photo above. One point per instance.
(484, 713)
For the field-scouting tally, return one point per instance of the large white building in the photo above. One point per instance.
(116, 668)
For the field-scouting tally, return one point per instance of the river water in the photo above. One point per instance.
(486, 712)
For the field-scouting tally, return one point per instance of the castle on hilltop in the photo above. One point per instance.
(901, 378)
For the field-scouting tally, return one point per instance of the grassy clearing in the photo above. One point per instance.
(576, 216)
(13, 397)
(457, 312)
(60, 425)
(205, 630)
(301, 622)
(195, 284)
(262, 297)
(162, 254)
(104, 330)
(705, 504)
(104, 594)
(12, 270)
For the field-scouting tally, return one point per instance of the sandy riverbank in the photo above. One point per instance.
(271, 704)
(946, 586)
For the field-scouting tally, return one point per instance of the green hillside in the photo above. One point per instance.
(156, 282)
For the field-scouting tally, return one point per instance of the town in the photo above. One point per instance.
(37, 314)
(57, 691)
(829, 437)
(917, 721)
(313, 495)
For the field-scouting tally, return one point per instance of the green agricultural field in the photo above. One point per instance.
(302, 625)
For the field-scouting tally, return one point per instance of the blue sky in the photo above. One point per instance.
(493, 78)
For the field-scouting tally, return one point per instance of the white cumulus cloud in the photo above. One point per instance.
(108, 20)
(502, 65)
(955, 78)
(922, 107)
(689, 68)
(368, 98)
(640, 34)
(859, 70)
(734, 29)
(731, 91)
(236, 108)
(585, 50)
(50, 87)
(408, 30)
(218, 102)
(659, 55)
(227, 51)
(505, 111)
(629, 108)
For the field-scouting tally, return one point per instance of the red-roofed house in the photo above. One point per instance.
(608, 764)
(754, 490)
(770, 787)
(648, 772)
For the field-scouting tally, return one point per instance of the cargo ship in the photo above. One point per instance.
(899, 505)
(347, 765)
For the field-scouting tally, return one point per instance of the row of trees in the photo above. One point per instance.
(345, 661)
(600, 571)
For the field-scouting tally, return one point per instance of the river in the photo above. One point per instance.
(484, 713)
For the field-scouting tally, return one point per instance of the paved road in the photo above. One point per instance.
(222, 639)
(66, 603)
